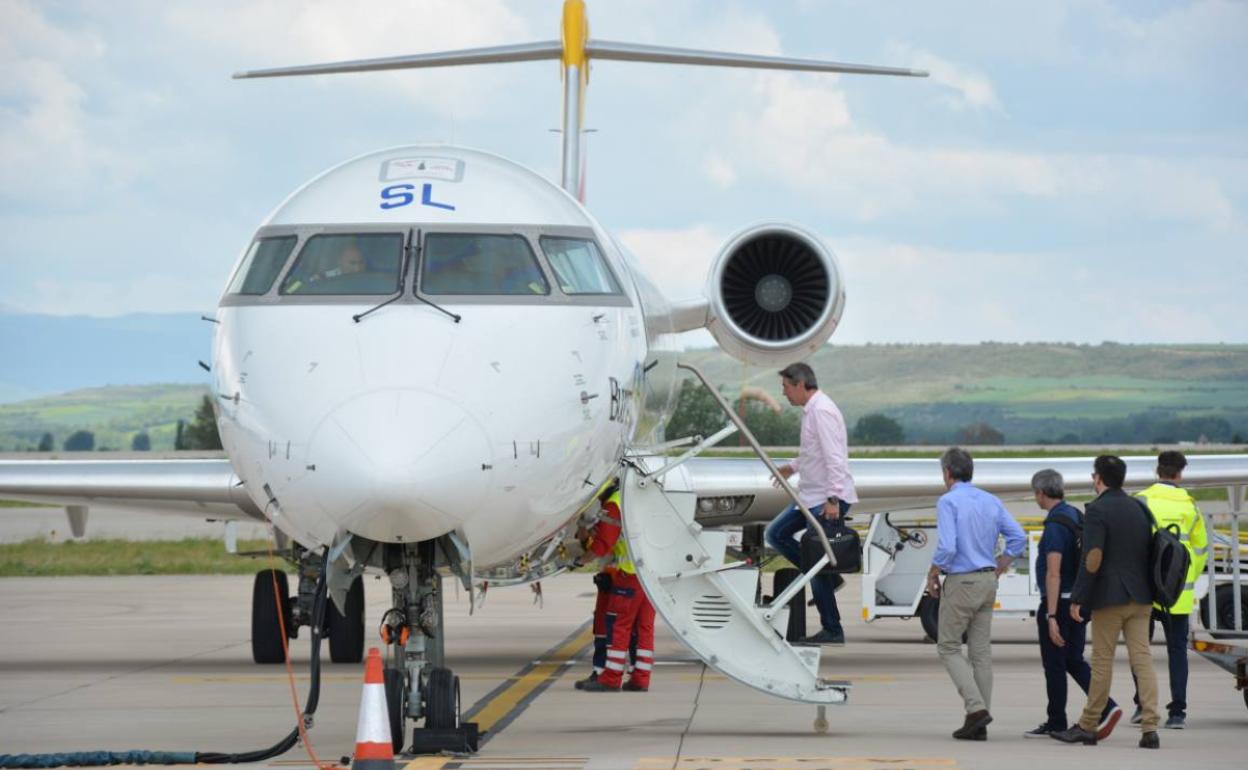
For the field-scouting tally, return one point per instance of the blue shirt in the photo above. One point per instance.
(968, 522)
(1059, 539)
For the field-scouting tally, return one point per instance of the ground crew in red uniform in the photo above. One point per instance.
(628, 603)
(604, 621)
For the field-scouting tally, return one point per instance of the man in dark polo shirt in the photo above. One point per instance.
(1062, 638)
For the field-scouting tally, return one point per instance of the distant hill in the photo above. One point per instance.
(1032, 393)
(114, 414)
(43, 355)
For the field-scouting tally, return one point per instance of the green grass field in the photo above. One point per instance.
(191, 556)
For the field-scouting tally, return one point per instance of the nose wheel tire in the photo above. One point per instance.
(396, 699)
(442, 699)
(266, 629)
(346, 629)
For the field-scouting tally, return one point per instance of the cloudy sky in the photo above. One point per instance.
(1074, 170)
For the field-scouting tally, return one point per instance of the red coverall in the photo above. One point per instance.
(627, 602)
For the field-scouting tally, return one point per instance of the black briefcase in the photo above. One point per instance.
(846, 547)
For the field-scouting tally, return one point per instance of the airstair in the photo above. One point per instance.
(711, 603)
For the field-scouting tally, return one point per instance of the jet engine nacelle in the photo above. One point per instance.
(776, 294)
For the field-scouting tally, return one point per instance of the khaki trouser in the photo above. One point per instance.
(1131, 620)
(966, 608)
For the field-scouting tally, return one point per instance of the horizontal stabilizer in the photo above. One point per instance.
(603, 49)
(551, 49)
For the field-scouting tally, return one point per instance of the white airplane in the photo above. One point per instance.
(429, 360)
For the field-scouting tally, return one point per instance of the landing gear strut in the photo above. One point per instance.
(419, 686)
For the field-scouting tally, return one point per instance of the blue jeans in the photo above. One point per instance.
(779, 535)
(1060, 661)
(1175, 628)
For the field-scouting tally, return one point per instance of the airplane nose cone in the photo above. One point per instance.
(409, 463)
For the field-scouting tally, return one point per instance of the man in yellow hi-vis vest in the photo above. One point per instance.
(1171, 504)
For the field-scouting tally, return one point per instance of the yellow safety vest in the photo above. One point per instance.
(623, 561)
(1173, 505)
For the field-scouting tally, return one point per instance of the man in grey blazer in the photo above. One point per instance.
(1113, 583)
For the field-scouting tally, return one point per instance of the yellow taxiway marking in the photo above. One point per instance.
(797, 763)
(501, 705)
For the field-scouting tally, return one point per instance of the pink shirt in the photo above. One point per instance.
(822, 462)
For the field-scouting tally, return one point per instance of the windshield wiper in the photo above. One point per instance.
(407, 260)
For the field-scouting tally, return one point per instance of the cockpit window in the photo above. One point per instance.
(349, 263)
(457, 263)
(579, 266)
(260, 267)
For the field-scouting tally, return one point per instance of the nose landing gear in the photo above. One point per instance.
(418, 683)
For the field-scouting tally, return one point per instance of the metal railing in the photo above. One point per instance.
(1227, 562)
(811, 521)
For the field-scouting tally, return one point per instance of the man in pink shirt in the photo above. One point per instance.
(824, 486)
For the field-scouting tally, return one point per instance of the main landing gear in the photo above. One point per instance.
(275, 612)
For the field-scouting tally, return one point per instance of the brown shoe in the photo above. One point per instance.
(975, 721)
(1075, 734)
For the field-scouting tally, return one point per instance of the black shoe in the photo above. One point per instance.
(580, 683)
(1043, 731)
(980, 735)
(1075, 734)
(598, 686)
(1107, 723)
(1149, 740)
(631, 686)
(975, 722)
(824, 637)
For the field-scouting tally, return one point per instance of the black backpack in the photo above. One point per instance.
(1168, 561)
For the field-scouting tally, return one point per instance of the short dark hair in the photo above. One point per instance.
(958, 462)
(1111, 469)
(800, 374)
(1170, 463)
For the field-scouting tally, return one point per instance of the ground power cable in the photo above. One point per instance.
(145, 757)
(697, 700)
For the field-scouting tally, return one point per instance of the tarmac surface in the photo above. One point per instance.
(165, 663)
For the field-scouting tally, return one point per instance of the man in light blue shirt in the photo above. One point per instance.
(969, 522)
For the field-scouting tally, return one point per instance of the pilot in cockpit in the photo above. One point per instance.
(350, 261)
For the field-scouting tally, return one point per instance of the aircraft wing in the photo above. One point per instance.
(739, 490)
(206, 488)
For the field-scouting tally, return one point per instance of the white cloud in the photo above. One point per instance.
(277, 33)
(970, 89)
(802, 133)
(677, 260)
(719, 170)
(47, 148)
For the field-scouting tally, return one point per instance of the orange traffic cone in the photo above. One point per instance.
(373, 749)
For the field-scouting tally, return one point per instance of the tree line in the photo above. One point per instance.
(199, 433)
(698, 413)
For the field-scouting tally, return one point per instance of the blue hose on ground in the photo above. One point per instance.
(98, 758)
(104, 758)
